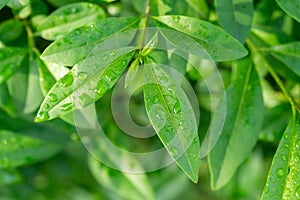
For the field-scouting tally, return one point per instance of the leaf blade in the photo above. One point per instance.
(241, 128)
(173, 119)
(291, 7)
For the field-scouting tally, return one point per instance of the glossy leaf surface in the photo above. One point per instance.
(212, 38)
(173, 119)
(284, 175)
(291, 7)
(68, 18)
(79, 43)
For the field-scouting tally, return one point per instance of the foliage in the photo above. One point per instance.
(60, 58)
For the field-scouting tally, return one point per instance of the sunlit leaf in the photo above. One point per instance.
(243, 106)
(68, 18)
(10, 60)
(173, 119)
(79, 43)
(284, 175)
(85, 83)
(235, 16)
(212, 38)
(291, 7)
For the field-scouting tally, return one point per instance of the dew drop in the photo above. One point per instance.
(163, 79)
(66, 107)
(85, 99)
(112, 53)
(58, 44)
(177, 108)
(110, 75)
(41, 116)
(174, 152)
(67, 80)
(46, 106)
(101, 88)
(52, 97)
(280, 172)
(284, 158)
(82, 76)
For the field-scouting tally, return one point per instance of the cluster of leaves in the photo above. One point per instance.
(87, 46)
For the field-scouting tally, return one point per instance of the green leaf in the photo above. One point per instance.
(10, 60)
(3, 3)
(18, 149)
(79, 43)
(8, 177)
(291, 7)
(243, 106)
(85, 83)
(173, 119)
(11, 30)
(6, 101)
(34, 95)
(68, 18)
(235, 17)
(129, 186)
(212, 38)
(284, 175)
(289, 54)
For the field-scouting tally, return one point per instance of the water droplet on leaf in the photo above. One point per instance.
(66, 107)
(67, 80)
(52, 97)
(42, 116)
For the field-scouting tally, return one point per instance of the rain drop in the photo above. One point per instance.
(66, 107)
(177, 108)
(52, 97)
(280, 172)
(67, 80)
(112, 53)
(85, 99)
(174, 152)
(41, 116)
(82, 76)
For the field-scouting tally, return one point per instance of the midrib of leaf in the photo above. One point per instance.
(198, 38)
(90, 17)
(237, 116)
(170, 115)
(288, 66)
(292, 143)
(99, 73)
(287, 53)
(94, 42)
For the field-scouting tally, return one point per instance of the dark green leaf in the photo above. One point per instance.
(10, 61)
(8, 177)
(284, 175)
(243, 106)
(130, 186)
(85, 83)
(68, 18)
(173, 119)
(11, 30)
(235, 16)
(80, 42)
(289, 54)
(291, 7)
(212, 38)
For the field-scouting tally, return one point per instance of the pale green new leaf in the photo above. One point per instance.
(244, 115)
(291, 7)
(87, 82)
(3, 3)
(289, 54)
(173, 119)
(68, 18)
(219, 44)
(235, 16)
(10, 60)
(130, 186)
(284, 175)
(79, 43)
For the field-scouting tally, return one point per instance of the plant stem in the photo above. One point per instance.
(148, 10)
(30, 37)
(275, 76)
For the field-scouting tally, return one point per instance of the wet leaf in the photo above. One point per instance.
(3, 3)
(68, 18)
(87, 82)
(173, 119)
(235, 16)
(75, 46)
(212, 38)
(243, 106)
(284, 175)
